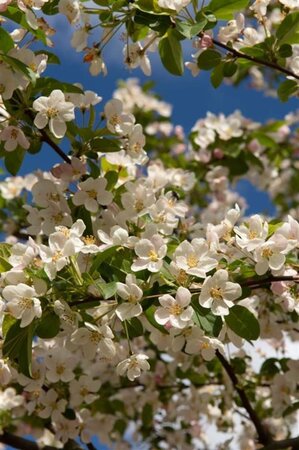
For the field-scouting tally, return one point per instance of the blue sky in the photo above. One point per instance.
(191, 97)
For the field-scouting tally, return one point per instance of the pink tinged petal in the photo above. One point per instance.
(154, 266)
(91, 205)
(205, 302)
(143, 248)
(183, 296)
(261, 267)
(57, 127)
(219, 308)
(105, 198)
(10, 145)
(139, 264)
(232, 291)
(187, 314)
(161, 316)
(41, 120)
(276, 261)
(167, 301)
(123, 290)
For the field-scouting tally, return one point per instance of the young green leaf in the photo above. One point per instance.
(242, 322)
(208, 59)
(171, 54)
(225, 9)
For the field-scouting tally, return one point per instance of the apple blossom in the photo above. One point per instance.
(175, 311)
(22, 303)
(133, 366)
(218, 293)
(55, 111)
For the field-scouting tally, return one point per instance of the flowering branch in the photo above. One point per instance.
(263, 434)
(56, 148)
(292, 443)
(259, 61)
(21, 443)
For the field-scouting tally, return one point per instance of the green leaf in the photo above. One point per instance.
(286, 89)
(49, 325)
(291, 409)
(225, 9)
(104, 145)
(217, 76)
(13, 160)
(52, 58)
(111, 177)
(6, 41)
(229, 68)
(150, 315)
(171, 54)
(207, 321)
(190, 30)
(4, 265)
(150, 6)
(209, 59)
(101, 257)
(285, 51)
(108, 290)
(19, 66)
(46, 85)
(147, 415)
(288, 30)
(134, 327)
(242, 322)
(16, 15)
(270, 367)
(17, 346)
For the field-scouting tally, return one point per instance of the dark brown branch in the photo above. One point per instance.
(293, 443)
(263, 435)
(56, 148)
(25, 444)
(48, 140)
(270, 279)
(258, 61)
(21, 443)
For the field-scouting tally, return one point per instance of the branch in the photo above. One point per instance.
(259, 61)
(48, 140)
(25, 444)
(285, 443)
(263, 434)
(270, 279)
(21, 443)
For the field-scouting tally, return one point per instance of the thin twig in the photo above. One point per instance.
(259, 61)
(263, 434)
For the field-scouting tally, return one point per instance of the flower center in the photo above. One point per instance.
(216, 293)
(92, 194)
(176, 310)
(152, 254)
(267, 252)
(52, 112)
(89, 240)
(60, 368)
(192, 260)
(26, 303)
(252, 234)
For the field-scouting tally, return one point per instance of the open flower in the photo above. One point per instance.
(150, 254)
(55, 111)
(132, 294)
(217, 293)
(133, 366)
(175, 311)
(22, 303)
(92, 193)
